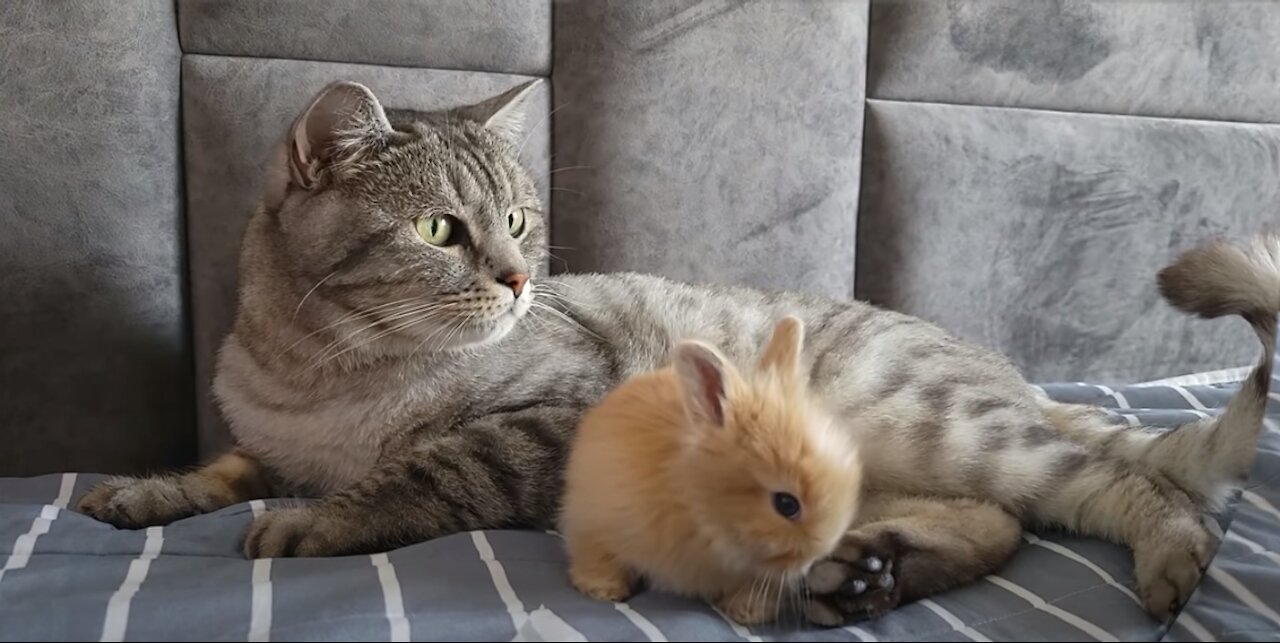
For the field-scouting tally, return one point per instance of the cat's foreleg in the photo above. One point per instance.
(133, 503)
(504, 470)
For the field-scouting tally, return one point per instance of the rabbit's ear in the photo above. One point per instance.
(782, 353)
(706, 377)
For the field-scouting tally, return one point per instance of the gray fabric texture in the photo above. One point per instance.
(705, 140)
(234, 111)
(688, 144)
(1207, 59)
(512, 36)
(94, 363)
(1024, 230)
(708, 140)
(68, 577)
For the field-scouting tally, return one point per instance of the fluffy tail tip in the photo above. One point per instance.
(1222, 278)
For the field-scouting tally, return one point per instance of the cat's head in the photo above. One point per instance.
(421, 231)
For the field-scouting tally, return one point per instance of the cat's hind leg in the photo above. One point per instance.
(904, 548)
(1156, 519)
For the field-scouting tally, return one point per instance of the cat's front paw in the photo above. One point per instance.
(856, 581)
(302, 532)
(134, 503)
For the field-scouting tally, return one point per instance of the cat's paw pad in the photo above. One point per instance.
(856, 581)
(134, 503)
(284, 533)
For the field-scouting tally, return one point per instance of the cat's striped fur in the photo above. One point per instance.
(421, 397)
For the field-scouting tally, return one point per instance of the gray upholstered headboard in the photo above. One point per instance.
(1014, 170)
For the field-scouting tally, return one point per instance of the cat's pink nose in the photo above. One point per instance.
(515, 281)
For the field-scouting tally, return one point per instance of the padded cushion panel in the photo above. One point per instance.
(491, 35)
(1202, 59)
(710, 141)
(94, 363)
(1039, 234)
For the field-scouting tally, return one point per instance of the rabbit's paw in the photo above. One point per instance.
(603, 582)
(747, 607)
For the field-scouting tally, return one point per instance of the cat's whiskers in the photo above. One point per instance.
(437, 332)
(562, 284)
(390, 331)
(396, 314)
(450, 329)
(566, 169)
(461, 324)
(429, 308)
(559, 258)
(352, 316)
(537, 305)
(544, 290)
(430, 337)
(309, 293)
(418, 315)
(547, 289)
(542, 324)
(532, 130)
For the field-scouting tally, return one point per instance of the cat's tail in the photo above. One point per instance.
(1208, 457)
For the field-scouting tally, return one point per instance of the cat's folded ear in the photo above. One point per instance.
(343, 123)
(707, 378)
(503, 114)
(782, 354)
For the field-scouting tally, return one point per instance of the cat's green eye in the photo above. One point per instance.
(515, 222)
(437, 230)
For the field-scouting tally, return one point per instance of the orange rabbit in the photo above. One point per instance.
(710, 483)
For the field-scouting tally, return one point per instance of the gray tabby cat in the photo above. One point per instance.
(395, 354)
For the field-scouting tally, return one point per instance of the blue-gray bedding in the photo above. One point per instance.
(67, 577)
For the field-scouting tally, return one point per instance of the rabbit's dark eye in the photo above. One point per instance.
(786, 505)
